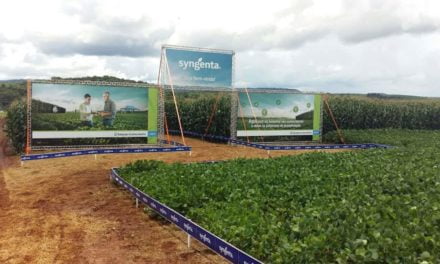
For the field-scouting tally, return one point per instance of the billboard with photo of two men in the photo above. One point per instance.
(288, 115)
(76, 112)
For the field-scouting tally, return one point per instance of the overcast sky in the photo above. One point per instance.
(360, 46)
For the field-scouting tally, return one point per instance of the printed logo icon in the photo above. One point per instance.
(163, 211)
(264, 112)
(174, 218)
(278, 102)
(256, 104)
(188, 227)
(309, 105)
(205, 238)
(295, 109)
(199, 64)
(225, 251)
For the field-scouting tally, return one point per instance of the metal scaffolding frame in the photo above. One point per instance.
(164, 70)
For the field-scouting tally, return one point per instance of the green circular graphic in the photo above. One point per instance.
(278, 102)
(295, 109)
(309, 105)
(264, 112)
(256, 104)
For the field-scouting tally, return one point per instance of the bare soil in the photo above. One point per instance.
(65, 210)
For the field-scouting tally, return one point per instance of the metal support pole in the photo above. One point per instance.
(175, 102)
(162, 124)
(330, 112)
(137, 203)
(234, 110)
(28, 147)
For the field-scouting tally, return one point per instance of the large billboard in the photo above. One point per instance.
(266, 114)
(81, 110)
(199, 67)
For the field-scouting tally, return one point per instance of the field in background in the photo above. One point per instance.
(350, 111)
(10, 91)
(361, 112)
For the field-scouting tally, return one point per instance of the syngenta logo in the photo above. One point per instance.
(188, 227)
(199, 64)
(225, 251)
(205, 238)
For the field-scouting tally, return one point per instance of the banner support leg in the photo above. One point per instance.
(189, 241)
(28, 147)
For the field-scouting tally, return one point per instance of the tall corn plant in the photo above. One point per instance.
(195, 115)
(16, 125)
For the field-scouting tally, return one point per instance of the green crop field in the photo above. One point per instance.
(369, 206)
(71, 121)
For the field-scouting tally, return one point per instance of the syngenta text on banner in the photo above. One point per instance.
(190, 67)
(79, 111)
(279, 114)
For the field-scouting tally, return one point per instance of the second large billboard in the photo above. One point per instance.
(263, 114)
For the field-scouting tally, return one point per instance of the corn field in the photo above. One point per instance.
(365, 113)
(351, 112)
(195, 111)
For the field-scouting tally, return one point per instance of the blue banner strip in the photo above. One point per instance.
(286, 147)
(218, 245)
(177, 147)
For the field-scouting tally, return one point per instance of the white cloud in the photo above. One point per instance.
(336, 46)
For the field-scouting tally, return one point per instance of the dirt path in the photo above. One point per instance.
(66, 211)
